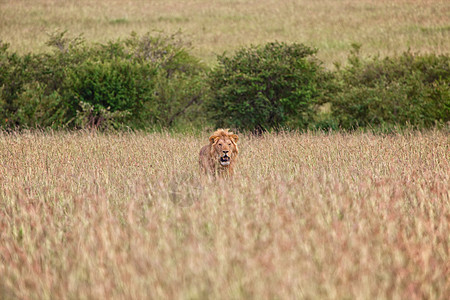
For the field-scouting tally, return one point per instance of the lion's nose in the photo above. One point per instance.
(225, 151)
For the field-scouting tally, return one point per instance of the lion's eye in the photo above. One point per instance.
(220, 144)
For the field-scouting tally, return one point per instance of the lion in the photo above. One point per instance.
(219, 157)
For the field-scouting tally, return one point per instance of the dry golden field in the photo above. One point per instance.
(307, 216)
(213, 26)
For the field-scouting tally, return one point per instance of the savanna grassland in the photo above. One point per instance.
(313, 215)
(88, 215)
(213, 26)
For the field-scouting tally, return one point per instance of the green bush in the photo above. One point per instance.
(408, 90)
(264, 87)
(153, 81)
(120, 82)
(13, 76)
(36, 108)
(118, 85)
(179, 85)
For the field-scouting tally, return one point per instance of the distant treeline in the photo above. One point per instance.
(153, 81)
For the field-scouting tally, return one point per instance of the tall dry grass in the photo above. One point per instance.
(385, 27)
(125, 215)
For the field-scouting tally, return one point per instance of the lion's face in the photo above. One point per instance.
(224, 148)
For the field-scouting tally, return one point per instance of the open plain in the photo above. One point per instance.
(214, 26)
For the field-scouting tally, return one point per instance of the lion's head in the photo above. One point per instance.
(224, 146)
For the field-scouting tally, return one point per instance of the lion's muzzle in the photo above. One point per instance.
(225, 160)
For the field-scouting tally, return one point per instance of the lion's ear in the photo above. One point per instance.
(235, 137)
(212, 139)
